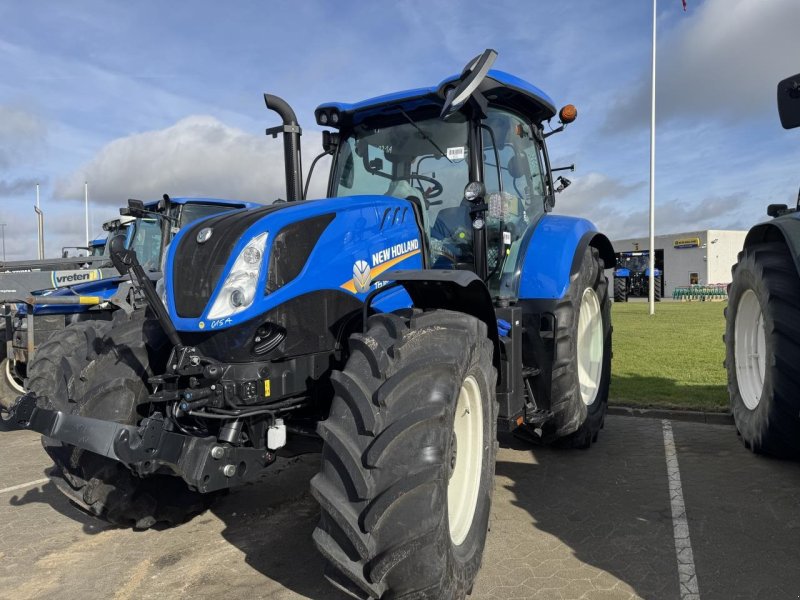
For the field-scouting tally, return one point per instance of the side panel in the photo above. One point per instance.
(550, 257)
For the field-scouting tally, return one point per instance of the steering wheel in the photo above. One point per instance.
(432, 193)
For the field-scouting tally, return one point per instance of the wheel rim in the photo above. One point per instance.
(590, 346)
(11, 380)
(465, 477)
(750, 349)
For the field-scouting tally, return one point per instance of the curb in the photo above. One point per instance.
(693, 416)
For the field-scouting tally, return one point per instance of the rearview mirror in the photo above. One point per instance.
(789, 101)
(135, 209)
(471, 78)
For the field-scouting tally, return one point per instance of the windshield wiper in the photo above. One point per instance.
(425, 135)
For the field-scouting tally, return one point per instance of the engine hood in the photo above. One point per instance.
(336, 245)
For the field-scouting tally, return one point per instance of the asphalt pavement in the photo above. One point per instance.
(634, 517)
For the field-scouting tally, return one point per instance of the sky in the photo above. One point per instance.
(146, 98)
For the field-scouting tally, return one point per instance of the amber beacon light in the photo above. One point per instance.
(568, 113)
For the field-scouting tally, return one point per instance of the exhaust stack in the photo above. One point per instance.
(291, 145)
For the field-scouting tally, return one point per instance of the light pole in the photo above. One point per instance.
(3, 231)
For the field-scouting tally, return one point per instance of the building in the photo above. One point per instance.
(694, 257)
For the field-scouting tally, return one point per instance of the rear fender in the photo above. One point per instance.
(554, 253)
(784, 229)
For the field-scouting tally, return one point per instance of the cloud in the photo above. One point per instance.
(21, 134)
(197, 156)
(622, 210)
(16, 187)
(724, 60)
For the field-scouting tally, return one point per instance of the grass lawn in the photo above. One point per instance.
(670, 360)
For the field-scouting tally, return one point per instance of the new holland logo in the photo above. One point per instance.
(361, 276)
(204, 235)
(382, 261)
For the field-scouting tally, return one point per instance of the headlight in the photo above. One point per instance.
(239, 289)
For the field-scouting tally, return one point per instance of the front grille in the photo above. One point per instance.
(197, 268)
(291, 248)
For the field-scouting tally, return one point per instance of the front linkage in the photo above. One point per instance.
(204, 463)
(207, 464)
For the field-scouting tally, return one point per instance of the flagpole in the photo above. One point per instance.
(652, 254)
(39, 224)
(86, 208)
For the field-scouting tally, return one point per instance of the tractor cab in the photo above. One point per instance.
(479, 177)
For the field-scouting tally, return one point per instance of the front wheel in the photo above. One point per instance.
(407, 469)
(762, 329)
(83, 373)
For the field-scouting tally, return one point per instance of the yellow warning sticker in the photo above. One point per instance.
(266, 388)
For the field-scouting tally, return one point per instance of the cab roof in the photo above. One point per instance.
(499, 87)
(218, 201)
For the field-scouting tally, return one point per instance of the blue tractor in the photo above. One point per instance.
(632, 277)
(428, 303)
(762, 324)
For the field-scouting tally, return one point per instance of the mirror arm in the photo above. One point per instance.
(553, 131)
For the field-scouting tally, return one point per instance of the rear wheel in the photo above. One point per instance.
(620, 289)
(762, 339)
(582, 369)
(110, 384)
(408, 462)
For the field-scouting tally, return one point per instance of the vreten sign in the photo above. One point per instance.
(686, 243)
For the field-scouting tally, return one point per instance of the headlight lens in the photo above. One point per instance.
(239, 288)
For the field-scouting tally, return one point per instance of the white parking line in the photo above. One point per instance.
(21, 486)
(680, 526)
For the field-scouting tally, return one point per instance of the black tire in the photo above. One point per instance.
(656, 288)
(109, 386)
(620, 289)
(772, 426)
(574, 423)
(8, 393)
(57, 364)
(386, 462)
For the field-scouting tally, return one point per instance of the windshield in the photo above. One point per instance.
(146, 241)
(635, 261)
(427, 162)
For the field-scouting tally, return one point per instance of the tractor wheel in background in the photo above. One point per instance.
(620, 289)
(762, 349)
(407, 472)
(582, 370)
(656, 288)
(109, 387)
(10, 388)
(58, 363)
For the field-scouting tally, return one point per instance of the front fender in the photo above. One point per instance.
(784, 229)
(554, 253)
